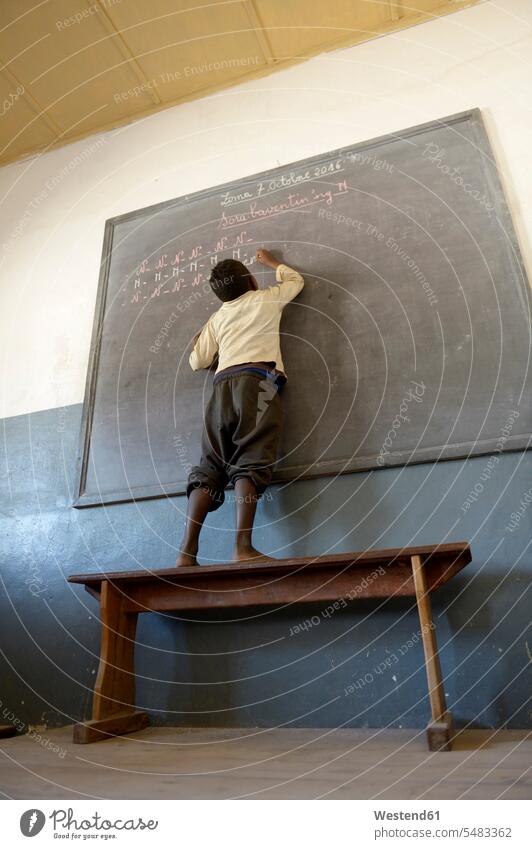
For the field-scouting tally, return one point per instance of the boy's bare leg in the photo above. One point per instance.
(199, 502)
(246, 507)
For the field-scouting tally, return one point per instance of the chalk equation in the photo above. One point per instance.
(171, 272)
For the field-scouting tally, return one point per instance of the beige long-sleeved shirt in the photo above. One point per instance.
(246, 330)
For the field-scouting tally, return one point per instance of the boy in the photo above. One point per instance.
(243, 419)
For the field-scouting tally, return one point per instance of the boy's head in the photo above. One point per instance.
(230, 278)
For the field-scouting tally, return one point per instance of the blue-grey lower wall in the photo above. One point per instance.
(362, 666)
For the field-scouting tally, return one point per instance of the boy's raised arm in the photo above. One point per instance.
(291, 280)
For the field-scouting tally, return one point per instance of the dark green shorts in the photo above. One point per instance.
(241, 434)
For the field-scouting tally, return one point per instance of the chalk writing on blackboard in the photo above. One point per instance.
(170, 273)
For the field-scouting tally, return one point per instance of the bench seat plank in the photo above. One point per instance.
(290, 580)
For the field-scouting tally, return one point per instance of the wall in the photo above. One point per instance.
(250, 670)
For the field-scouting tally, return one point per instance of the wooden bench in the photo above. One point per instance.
(373, 574)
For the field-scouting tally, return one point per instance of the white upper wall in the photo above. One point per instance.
(54, 207)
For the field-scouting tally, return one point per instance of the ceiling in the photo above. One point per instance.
(70, 68)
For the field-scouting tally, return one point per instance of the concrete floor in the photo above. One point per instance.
(178, 763)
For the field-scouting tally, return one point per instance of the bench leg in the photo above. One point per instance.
(439, 730)
(113, 707)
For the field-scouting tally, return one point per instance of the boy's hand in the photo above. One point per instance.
(266, 258)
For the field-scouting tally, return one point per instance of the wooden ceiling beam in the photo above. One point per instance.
(41, 113)
(126, 53)
(396, 9)
(260, 32)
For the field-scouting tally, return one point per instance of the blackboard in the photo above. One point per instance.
(409, 343)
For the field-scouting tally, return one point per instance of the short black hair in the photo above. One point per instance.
(229, 279)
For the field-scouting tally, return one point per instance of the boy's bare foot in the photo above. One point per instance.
(247, 552)
(186, 558)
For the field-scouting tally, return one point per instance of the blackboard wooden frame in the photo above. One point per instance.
(449, 451)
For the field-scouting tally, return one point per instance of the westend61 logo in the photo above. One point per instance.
(33, 820)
